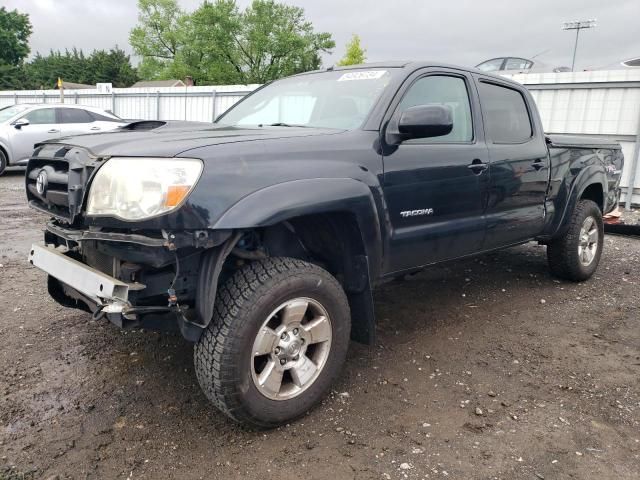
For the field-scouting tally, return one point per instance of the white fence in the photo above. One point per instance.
(202, 104)
(602, 104)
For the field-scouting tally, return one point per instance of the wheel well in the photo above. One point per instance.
(6, 154)
(594, 192)
(334, 242)
(331, 240)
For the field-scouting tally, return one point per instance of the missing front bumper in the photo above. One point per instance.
(104, 291)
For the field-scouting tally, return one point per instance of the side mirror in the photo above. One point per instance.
(423, 121)
(21, 122)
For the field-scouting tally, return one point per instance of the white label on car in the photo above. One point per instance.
(362, 75)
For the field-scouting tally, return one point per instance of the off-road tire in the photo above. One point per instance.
(3, 162)
(222, 356)
(562, 252)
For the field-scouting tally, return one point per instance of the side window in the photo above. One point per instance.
(492, 65)
(505, 114)
(74, 115)
(41, 116)
(518, 64)
(443, 90)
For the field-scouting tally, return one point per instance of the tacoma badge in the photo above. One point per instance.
(417, 213)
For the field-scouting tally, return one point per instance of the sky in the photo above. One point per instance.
(463, 32)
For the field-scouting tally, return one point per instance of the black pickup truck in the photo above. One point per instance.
(261, 237)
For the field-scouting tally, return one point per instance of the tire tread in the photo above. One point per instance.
(561, 252)
(216, 361)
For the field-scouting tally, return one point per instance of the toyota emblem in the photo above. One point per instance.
(41, 182)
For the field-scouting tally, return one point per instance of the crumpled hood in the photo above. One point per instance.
(175, 138)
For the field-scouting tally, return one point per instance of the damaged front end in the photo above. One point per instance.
(134, 279)
(133, 272)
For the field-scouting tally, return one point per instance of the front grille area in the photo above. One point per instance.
(56, 180)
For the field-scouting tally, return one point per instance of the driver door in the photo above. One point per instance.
(42, 126)
(436, 188)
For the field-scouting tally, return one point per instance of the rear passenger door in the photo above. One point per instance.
(75, 121)
(519, 169)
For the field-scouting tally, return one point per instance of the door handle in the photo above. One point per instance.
(478, 166)
(53, 130)
(94, 128)
(538, 164)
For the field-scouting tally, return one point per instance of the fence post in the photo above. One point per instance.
(44, 97)
(113, 103)
(213, 105)
(158, 105)
(635, 160)
(15, 98)
(75, 97)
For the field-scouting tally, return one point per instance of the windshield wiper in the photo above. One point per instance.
(280, 124)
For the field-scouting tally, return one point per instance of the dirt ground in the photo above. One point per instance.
(487, 368)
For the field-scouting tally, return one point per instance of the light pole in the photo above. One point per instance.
(577, 25)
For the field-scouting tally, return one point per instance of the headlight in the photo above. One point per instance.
(139, 188)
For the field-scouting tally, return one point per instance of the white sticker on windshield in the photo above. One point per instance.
(362, 75)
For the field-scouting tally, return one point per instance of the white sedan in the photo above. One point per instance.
(23, 125)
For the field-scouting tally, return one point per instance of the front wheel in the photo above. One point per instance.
(277, 341)
(575, 256)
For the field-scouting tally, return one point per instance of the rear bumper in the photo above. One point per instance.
(105, 292)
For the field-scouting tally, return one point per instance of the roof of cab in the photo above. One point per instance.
(415, 65)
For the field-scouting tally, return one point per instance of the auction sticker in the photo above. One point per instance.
(362, 75)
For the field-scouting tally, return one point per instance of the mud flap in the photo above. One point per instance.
(358, 290)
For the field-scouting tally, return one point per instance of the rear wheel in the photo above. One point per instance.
(277, 341)
(3, 162)
(576, 255)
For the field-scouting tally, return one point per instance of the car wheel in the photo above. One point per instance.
(575, 256)
(277, 341)
(3, 162)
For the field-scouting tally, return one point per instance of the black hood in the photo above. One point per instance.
(175, 138)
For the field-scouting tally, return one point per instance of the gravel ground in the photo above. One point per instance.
(486, 368)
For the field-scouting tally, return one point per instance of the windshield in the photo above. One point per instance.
(8, 112)
(333, 99)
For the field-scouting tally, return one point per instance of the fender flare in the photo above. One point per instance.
(591, 175)
(283, 201)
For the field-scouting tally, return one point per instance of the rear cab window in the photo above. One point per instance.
(505, 113)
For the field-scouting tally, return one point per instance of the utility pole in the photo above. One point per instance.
(577, 25)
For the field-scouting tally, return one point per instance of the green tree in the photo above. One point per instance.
(210, 51)
(15, 29)
(355, 54)
(219, 43)
(112, 66)
(158, 36)
(276, 40)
